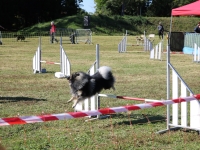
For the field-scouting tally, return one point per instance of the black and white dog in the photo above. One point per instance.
(84, 86)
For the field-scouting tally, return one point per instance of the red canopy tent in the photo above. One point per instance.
(192, 9)
(189, 9)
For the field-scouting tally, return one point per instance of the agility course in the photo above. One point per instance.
(118, 130)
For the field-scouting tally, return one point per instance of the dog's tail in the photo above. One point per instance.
(106, 73)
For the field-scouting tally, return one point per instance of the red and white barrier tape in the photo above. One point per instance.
(71, 115)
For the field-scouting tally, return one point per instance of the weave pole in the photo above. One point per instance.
(72, 115)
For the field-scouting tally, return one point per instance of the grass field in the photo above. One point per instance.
(23, 93)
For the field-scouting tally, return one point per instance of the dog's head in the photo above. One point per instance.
(78, 79)
(73, 77)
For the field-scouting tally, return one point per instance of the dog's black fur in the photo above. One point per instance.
(84, 86)
(20, 37)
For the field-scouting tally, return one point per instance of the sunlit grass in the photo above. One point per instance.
(23, 93)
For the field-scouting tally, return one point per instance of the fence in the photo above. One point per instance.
(81, 35)
(84, 35)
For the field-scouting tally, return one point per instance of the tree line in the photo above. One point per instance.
(18, 14)
(151, 8)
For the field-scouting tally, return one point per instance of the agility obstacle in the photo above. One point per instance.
(196, 53)
(148, 45)
(128, 98)
(92, 103)
(178, 117)
(104, 111)
(64, 62)
(156, 52)
(122, 44)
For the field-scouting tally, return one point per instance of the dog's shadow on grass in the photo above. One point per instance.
(17, 99)
(139, 119)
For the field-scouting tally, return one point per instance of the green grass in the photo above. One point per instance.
(117, 25)
(23, 93)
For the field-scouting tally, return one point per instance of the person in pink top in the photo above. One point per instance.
(52, 31)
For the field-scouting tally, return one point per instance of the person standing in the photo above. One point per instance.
(160, 30)
(52, 31)
(197, 28)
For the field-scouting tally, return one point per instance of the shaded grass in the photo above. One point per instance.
(23, 93)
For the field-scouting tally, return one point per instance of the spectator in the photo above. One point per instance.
(52, 31)
(72, 38)
(197, 28)
(160, 30)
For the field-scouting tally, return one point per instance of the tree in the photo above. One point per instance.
(162, 8)
(121, 7)
(17, 14)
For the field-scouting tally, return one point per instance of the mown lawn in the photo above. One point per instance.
(23, 93)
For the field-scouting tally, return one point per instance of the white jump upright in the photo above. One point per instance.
(122, 44)
(156, 52)
(148, 45)
(93, 102)
(180, 117)
(64, 62)
(187, 114)
(196, 53)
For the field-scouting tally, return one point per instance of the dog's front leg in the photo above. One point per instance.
(71, 99)
(75, 103)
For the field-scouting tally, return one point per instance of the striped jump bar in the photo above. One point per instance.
(128, 98)
(49, 62)
(104, 111)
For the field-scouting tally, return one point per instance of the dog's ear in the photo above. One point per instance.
(77, 74)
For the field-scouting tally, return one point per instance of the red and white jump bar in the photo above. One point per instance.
(71, 115)
(49, 62)
(128, 98)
